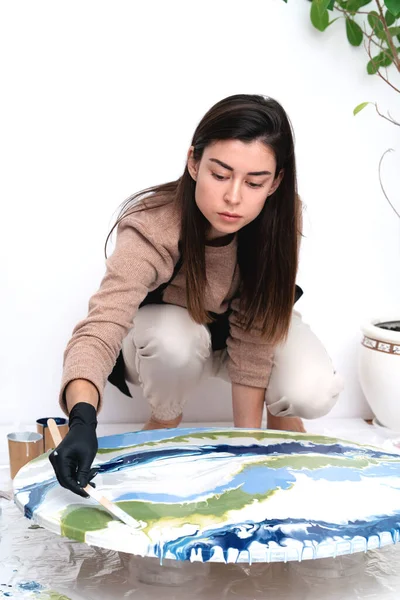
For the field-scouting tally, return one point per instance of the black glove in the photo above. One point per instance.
(73, 458)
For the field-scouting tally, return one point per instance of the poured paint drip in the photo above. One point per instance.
(31, 589)
(30, 586)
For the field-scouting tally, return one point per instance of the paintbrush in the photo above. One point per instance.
(107, 504)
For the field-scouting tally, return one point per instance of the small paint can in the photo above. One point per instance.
(23, 446)
(42, 428)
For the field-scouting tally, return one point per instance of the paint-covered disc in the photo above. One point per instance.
(234, 495)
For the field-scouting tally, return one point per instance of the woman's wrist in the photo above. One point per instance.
(248, 406)
(81, 390)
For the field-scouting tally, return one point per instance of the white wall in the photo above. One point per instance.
(100, 99)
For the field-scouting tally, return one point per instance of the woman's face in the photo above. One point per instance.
(233, 182)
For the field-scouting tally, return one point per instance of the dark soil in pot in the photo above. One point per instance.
(390, 325)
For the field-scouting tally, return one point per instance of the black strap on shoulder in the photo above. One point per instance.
(298, 293)
(117, 376)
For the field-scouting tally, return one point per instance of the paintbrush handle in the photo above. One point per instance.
(112, 508)
(55, 434)
(107, 504)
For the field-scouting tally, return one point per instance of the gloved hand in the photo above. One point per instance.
(73, 458)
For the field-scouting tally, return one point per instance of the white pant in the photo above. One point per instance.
(168, 354)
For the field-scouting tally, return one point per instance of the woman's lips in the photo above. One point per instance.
(229, 217)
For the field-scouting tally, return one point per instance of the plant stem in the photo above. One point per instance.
(388, 82)
(368, 51)
(393, 56)
(369, 36)
(389, 37)
(359, 12)
(389, 118)
(380, 180)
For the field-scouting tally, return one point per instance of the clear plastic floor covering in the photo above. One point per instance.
(35, 563)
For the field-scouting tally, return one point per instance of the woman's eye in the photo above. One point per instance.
(218, 177)
(250, 184)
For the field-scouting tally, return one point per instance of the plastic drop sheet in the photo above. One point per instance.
(35, 563)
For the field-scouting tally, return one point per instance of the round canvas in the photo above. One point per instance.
(226, 495)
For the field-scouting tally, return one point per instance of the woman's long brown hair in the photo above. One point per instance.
(268, 246)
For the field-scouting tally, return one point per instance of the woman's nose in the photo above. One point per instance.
(233, 193)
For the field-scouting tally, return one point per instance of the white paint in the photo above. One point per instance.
(100, 100)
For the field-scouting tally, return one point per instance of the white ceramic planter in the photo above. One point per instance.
(379, 371)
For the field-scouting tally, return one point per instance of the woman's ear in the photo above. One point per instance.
(192, 164)
(277, 182)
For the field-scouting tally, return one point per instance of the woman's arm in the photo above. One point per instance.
(248, 405)
(143, 258)
(81, 390)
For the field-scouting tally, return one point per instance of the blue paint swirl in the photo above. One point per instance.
(130, 460)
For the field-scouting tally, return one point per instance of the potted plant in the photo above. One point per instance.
(375, 24)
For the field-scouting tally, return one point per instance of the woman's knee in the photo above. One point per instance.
(303, 381)
(168, 336)
(311, 401)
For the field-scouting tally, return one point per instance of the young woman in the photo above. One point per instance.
(201, 283)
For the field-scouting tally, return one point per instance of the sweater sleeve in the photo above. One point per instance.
(250, 355)
(140, 262)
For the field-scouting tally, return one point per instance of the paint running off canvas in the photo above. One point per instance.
(226, 495)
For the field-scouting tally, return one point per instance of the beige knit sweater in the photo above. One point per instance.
(144, 257)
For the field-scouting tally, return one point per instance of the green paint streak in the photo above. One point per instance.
(52, 595)
(256, 434)
(311, 462)
(77, 520)
(216, 506)
(318, 461)
(42, 457)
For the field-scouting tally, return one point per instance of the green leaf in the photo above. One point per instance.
(360, 107)
(354, 5)
(322, 5)
(394, 31)
(373, 18)
(380, 60)
(376, 24)
(389, 18)
(331, 5)
(354, 32)
(320, 19)
(393, 6)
